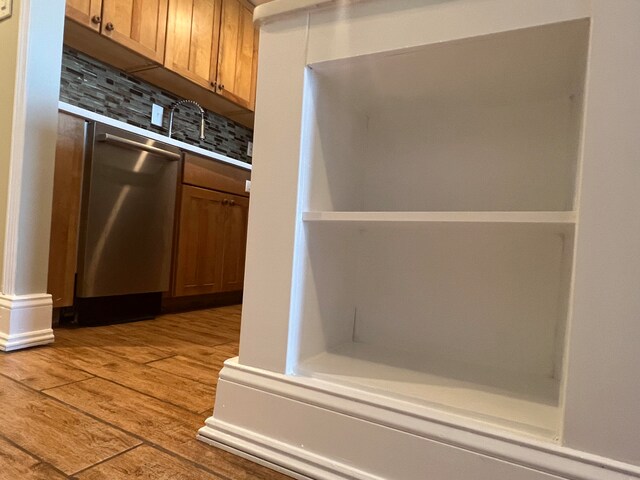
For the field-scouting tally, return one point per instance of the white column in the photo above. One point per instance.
(603, 382)
(30, 77)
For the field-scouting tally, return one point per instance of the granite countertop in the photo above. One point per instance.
(89, 115)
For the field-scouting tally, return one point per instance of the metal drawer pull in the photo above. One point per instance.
(107, 137)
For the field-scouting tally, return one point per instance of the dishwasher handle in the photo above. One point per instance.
(109, 138)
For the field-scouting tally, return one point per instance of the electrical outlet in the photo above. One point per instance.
(157, 113)
(247, 185)
(250, 149)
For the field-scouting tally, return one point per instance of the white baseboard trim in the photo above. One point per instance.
(244, 448)
(25, 321)
(319, 431)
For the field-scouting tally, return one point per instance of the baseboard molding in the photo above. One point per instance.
(25, 321)
(322, 432)
(253, 444)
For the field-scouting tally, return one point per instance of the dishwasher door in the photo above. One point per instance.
(127, 214)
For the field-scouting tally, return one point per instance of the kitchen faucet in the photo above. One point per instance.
(182, 102)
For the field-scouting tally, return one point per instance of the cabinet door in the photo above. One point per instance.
(234, 242)
(85, 12)
(139, 25)
(238, 47)
(193, 31)
(198, 266)
(65, 213)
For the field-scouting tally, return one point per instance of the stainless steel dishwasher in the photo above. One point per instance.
(126, 225)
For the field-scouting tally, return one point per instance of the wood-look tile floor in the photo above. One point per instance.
(120, 402)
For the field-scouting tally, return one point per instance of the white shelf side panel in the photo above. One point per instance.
(334, 142)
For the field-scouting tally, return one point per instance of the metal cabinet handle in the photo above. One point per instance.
(214, 85)
(109, 27)
(225, 201)
(96, 19)
(232, 202)
(220, 87)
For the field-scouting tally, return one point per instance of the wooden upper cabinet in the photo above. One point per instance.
(139, 25)
(85, 12)
(193, 31)
(213, 43)
(237, 53)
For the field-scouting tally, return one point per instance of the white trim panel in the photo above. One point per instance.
(25, 321)
(306, 425)
(18, 135)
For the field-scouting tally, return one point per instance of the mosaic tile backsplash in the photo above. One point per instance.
(95, 86)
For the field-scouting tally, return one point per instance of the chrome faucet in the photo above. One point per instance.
(182, 102)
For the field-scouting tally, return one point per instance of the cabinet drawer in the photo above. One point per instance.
(206, 173)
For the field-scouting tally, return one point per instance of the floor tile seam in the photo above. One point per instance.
(66, 384)
(100, 462)
(33, 455)
(191, 462)
(183, 376)
(93, 374)
(102, 349)
(143, 440)
(160, 359)
(129, 387)
(47, 395)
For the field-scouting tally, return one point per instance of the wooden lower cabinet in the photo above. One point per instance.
(211, 242)
(234, 243)
(65, 213)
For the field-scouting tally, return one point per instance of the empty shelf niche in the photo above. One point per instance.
(489, 123)
(464, 317)
(438, 190)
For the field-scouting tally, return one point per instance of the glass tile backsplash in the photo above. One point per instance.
(100, 88)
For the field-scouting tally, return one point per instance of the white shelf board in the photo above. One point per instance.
(567, 218)
(520, 402)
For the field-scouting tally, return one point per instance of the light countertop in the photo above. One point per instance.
(89, 115)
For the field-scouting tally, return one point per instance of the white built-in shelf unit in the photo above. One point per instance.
(438, 199)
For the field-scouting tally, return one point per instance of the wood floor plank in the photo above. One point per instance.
(188, 368)
(146, 463)
(16, 464)
(113, 341)
(63, 437)
(188, 394)
(37, 371)
(161, 337)
(204, 355)
(165, 425)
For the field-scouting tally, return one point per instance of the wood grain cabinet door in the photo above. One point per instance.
(237, 53)
(234, 243)
(139, 25)
(85, 12)
(193, 32)
(198, 267)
